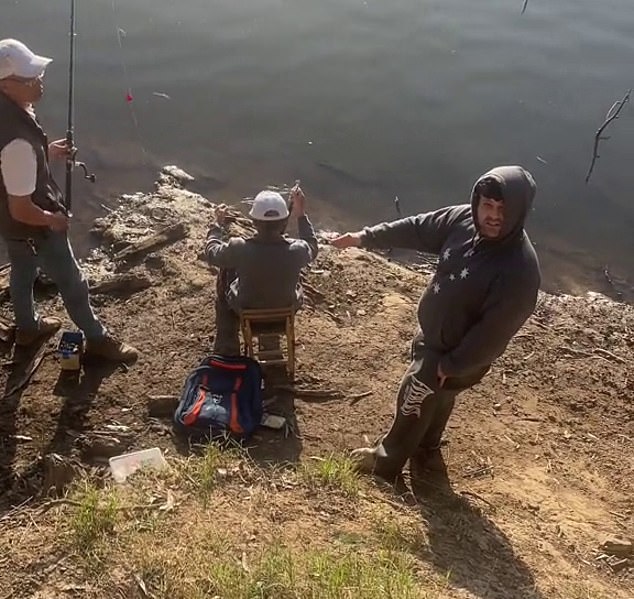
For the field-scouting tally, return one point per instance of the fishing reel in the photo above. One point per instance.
(72, 163)
(89, 176)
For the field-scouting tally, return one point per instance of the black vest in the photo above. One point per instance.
(15, 123)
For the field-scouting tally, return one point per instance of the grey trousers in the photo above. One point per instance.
(422, 412)
(53, 255)
(227, 340)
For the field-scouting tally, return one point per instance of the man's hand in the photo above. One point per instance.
(60, 149)
(297, 201)
(348, 240)
(442, 377)
(220, 213)
(58, 222)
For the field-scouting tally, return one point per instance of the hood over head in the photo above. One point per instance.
(518, 191)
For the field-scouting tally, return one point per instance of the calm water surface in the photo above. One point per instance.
(362, 100)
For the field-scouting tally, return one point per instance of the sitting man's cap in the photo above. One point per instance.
(16, 60)
(269, 205)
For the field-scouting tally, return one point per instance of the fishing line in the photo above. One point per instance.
(129, 98)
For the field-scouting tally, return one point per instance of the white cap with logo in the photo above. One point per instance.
(269, 205)
(16, 60)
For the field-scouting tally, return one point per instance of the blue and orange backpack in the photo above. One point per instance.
(221, 397)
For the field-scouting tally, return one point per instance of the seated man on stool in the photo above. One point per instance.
(262, 271)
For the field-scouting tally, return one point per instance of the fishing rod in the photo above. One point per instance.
(71, 163)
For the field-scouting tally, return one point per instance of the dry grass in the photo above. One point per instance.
(216, 525)
(202, 529)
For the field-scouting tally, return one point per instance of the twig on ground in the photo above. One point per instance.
(609, 354)
(17, 509)
(612, 115)
(26, 374)
(576, 352)
(310, 393)
(358, 396)
(54, 502)
(476, 496)
(484, 470)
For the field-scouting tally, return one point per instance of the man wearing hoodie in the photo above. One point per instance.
(484, 289)
(33, 220)
(263, 271)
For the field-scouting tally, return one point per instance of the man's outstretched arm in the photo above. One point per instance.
(425, 232)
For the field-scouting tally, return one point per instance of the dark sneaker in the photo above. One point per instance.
(110, 348)
(45, 328)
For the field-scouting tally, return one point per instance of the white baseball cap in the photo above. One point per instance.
(16, 60)
(269, 205)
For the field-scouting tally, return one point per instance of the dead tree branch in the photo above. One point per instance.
(612, 115)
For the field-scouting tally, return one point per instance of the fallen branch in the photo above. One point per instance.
(168, 235)
(127, 283)
(612, 115)
(26, 374)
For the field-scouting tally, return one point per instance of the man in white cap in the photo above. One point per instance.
(33, 220)
(263, 271)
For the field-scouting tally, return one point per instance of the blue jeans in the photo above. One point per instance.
(53, 255)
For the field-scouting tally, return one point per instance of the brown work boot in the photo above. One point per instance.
(366, 460)
(45, 328)
(112, 349)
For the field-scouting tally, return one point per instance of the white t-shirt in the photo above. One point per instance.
(19, 167)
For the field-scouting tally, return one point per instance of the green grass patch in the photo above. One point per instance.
(334, 472)
(95, 516)
(392, 535)
(326, 574)
(210, 468)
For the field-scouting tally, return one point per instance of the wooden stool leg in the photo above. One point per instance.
(248, 338)
(290, 343)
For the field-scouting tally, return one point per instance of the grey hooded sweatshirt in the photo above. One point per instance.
(483, 290)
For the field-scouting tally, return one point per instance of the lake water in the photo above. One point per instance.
(360, 99)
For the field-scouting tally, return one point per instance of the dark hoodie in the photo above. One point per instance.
(483, 290)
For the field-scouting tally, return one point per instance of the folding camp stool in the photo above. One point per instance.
(266, 324)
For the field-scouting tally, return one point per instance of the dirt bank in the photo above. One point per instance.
(540, 455)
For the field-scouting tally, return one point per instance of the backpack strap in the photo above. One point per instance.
(234, 423)
(192, 415)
